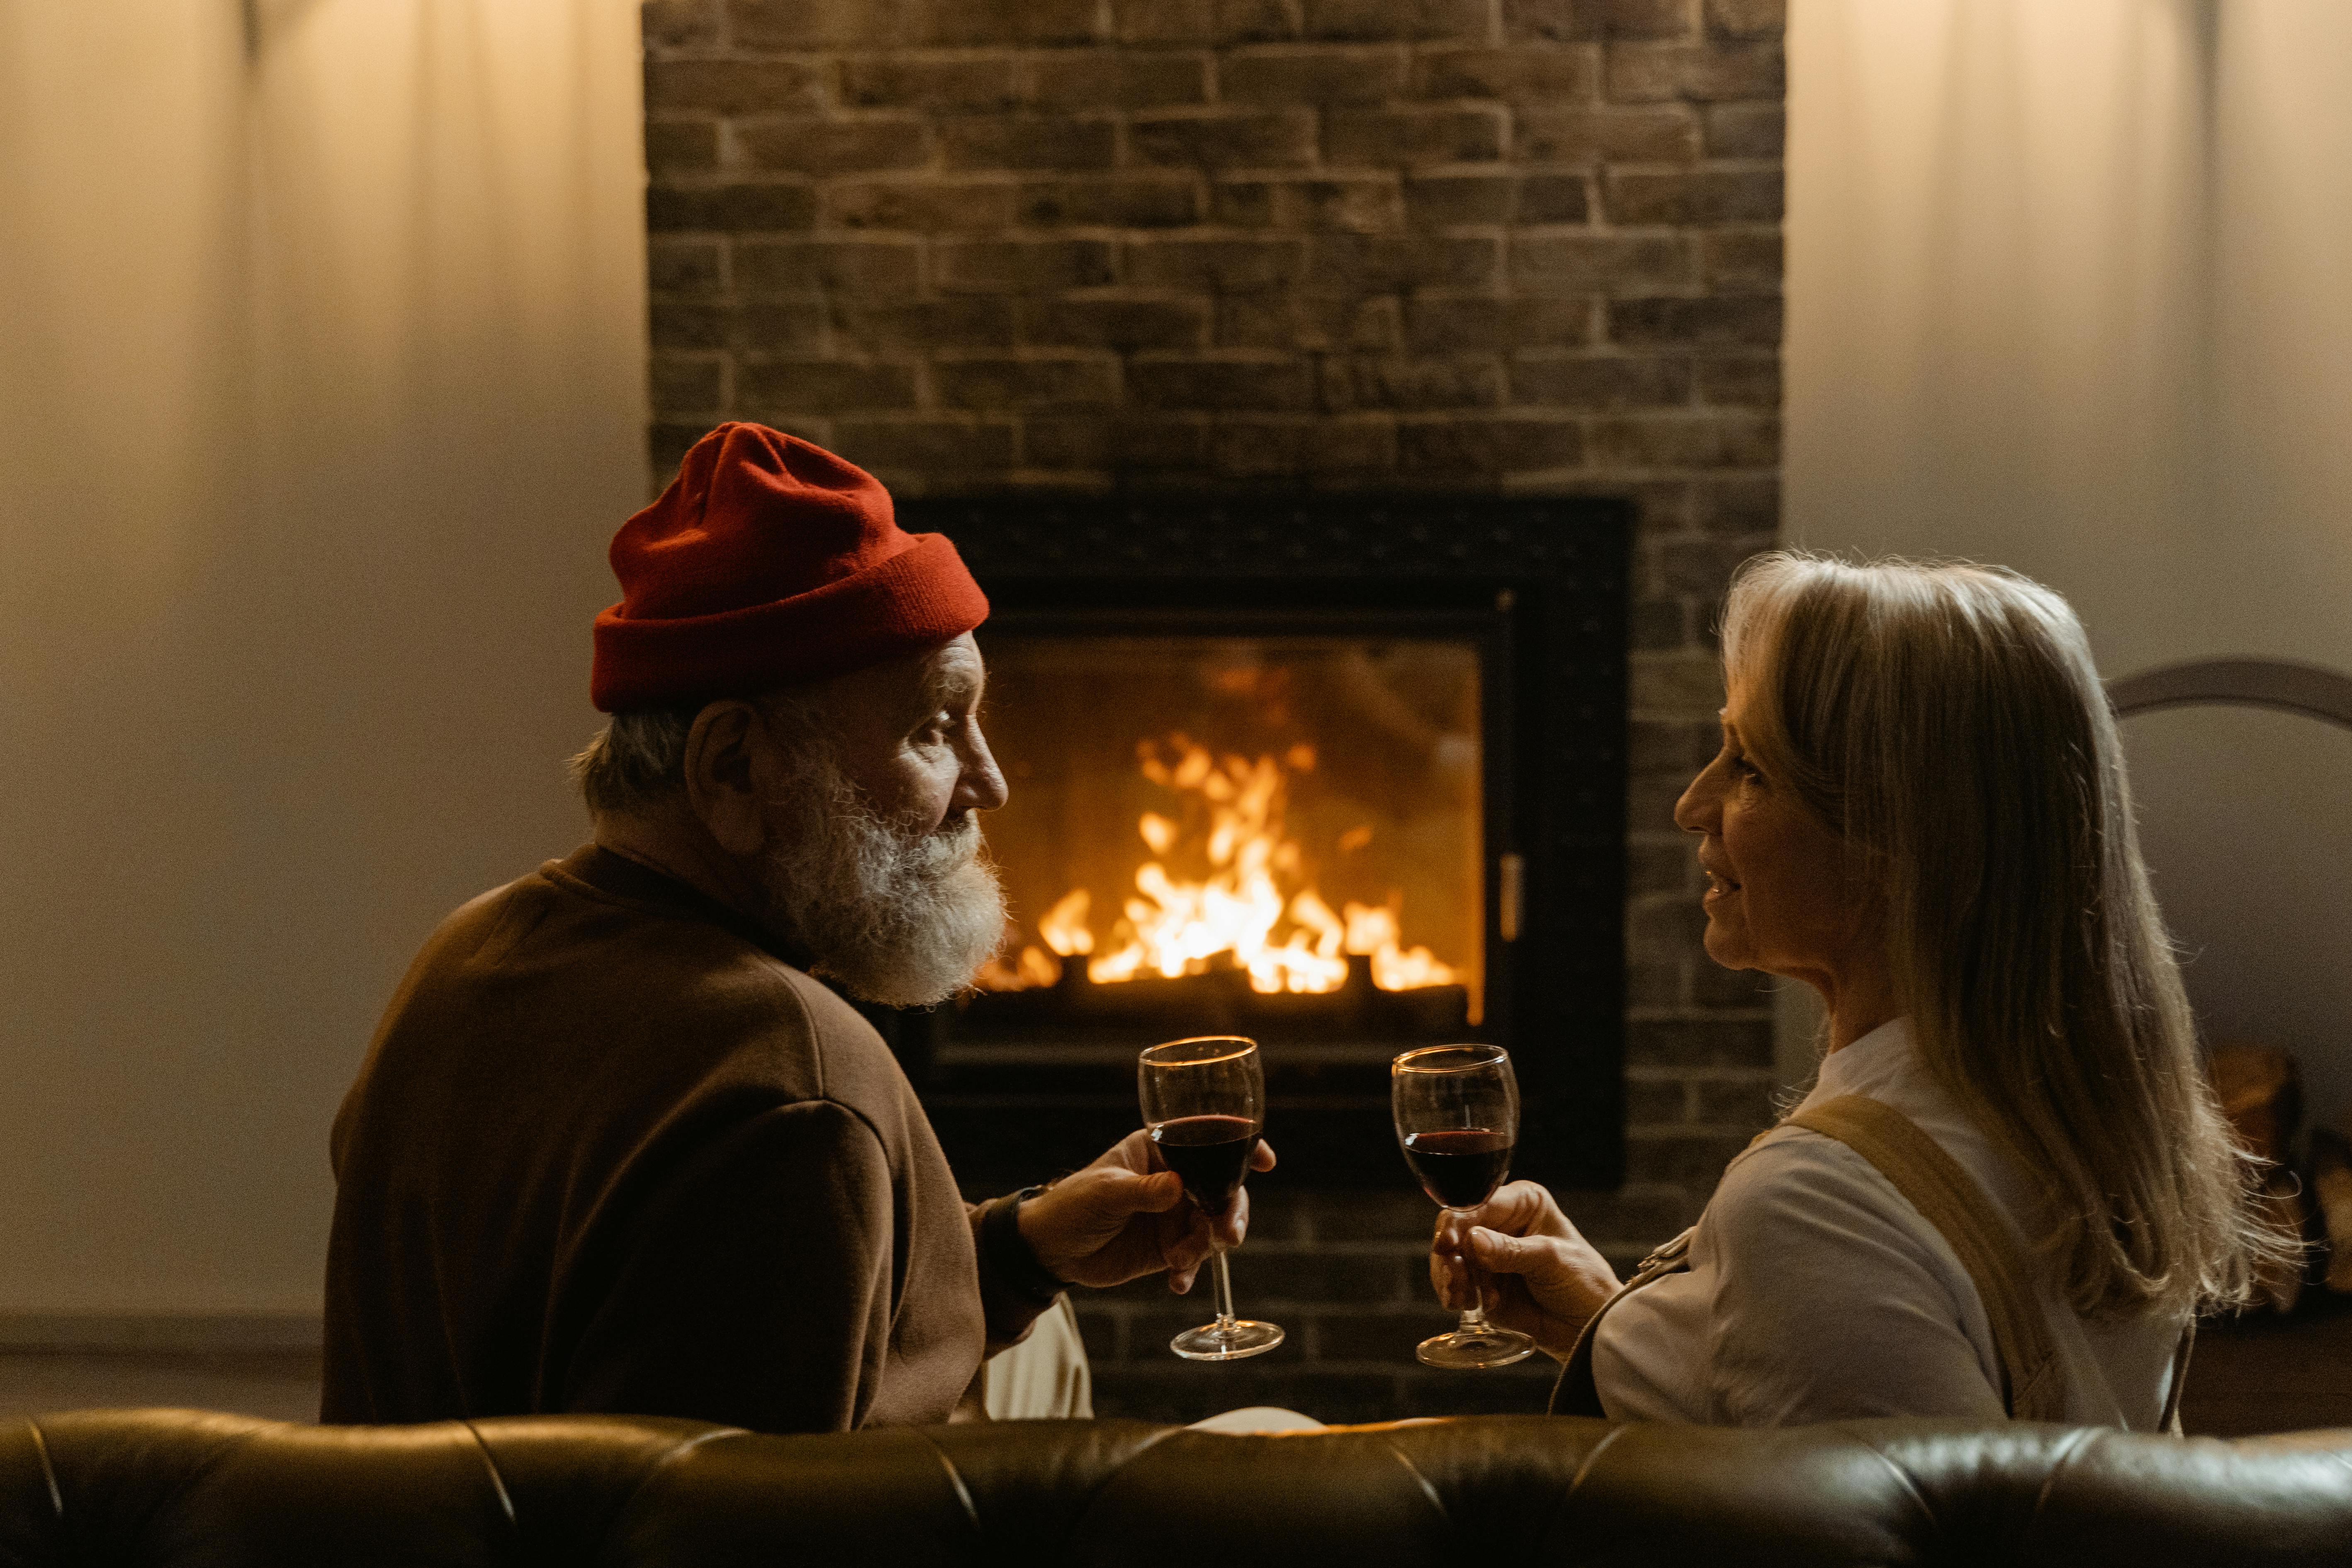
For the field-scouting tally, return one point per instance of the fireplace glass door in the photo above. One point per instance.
(1276, 835)
(1345, 774)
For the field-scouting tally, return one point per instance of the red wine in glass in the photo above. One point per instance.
(1210, 1153)
(1204, 1102)
(1459, 1167)
(1457, 1115)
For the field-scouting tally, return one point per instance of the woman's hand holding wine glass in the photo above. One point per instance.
(1542, 1279)
(1457, 1119)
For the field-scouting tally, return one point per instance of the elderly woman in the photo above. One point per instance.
(2009, 1190)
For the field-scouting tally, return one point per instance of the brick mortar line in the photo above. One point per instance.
(1319, 113)
(1409, 1371)
(1646, 1073)
(1503, 233)
(1694, 40)
(736, 120)
(1663, 1132)
(1596, 50)
(1351, 1308)
(1345, 1311)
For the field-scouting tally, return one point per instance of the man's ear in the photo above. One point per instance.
(723, 775)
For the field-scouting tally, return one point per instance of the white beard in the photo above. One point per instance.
(893, 916)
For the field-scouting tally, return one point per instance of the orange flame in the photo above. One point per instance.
(1285, 939)
(1066, 935)
(1035, 968)
(1065, 925)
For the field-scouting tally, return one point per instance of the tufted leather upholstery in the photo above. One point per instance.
(102, 1489)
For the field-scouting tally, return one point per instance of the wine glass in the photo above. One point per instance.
(1204, 1101)
(1457, 1115)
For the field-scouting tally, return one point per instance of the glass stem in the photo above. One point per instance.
(1474, 1316)
(1224, 1291)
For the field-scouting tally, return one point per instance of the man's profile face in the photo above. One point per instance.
(874, 860)
(910, 741)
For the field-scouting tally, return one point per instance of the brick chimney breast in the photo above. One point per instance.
(1263, 246)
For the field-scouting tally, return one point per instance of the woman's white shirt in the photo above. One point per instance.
(1816, 1292)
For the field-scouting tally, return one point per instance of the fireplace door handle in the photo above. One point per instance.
(1511, 894)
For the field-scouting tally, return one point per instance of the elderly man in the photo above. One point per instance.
(615, 1149)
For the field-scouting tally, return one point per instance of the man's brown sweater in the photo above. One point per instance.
(609, 1152)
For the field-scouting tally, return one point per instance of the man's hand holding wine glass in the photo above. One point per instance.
(1543, 1279)
(1125, 1217)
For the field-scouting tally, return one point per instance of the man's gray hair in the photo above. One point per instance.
(636, 763)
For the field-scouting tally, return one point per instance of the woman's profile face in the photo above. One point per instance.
(1780, 897)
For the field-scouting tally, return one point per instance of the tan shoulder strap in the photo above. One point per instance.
(1949, 1199)
(1575, 1392)
(2170, 1422)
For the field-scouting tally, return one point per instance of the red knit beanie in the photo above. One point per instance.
(769, 561)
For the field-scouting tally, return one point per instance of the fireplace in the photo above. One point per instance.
(1342, 774)
(1265, 830)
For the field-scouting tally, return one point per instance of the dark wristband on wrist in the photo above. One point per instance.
(1008, 1254)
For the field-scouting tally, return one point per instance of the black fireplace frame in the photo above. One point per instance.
(1541, 584)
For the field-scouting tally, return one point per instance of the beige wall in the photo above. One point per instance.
(320, 356)
(2071, 288)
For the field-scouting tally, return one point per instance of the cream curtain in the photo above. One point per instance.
(2071, 288)
(321, 359)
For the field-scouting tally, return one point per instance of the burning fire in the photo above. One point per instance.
(1250, 905)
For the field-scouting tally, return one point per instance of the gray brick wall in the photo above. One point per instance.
(1508, 246)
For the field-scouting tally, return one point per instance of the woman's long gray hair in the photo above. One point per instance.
(1947, 721)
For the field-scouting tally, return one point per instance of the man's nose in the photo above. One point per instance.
(982, 785)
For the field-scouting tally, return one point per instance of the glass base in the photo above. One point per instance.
(1226, 1342)
(1472, 1348)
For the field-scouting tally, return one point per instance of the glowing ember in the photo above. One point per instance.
(1249, 908)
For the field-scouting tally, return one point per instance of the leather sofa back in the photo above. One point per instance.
(115, 1488)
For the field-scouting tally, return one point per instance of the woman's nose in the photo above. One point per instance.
(1695, 812)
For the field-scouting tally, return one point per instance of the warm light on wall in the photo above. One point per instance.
(324, 369)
